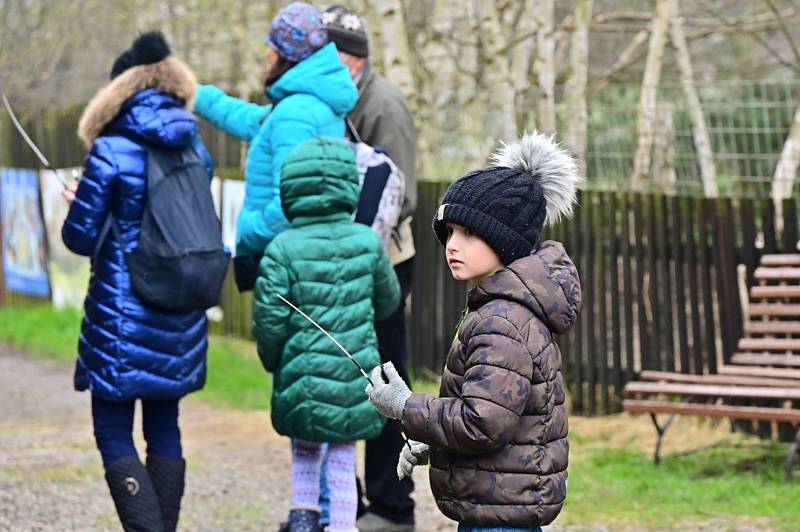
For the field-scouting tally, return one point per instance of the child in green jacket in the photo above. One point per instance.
(337, 272)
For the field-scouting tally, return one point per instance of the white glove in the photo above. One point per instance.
(417, 455)
(388, 398)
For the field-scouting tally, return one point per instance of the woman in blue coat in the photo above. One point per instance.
(127, 350)
(310, 92)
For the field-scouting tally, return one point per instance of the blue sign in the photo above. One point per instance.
(24, 249)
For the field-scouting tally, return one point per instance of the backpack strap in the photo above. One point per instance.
(351, 129)
(109, 225)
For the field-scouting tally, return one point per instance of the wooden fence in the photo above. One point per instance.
(659, 277)
(658, 274)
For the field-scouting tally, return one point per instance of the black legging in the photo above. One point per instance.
(113, 428)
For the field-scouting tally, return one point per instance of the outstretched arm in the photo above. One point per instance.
(230, 114)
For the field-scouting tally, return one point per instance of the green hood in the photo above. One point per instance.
(319, 181)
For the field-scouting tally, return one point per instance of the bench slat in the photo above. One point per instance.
(777, 274)
(742, 380)
(774, 309)
(781, 259)
(759, 359)
(750, 392)
(774, 291)
(760, 371)
(738, 412)
(772, 327)
(769, 344)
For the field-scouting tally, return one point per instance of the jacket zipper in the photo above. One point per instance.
(461, 320)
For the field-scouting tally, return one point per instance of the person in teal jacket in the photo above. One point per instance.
(310, 91)
(338, 273)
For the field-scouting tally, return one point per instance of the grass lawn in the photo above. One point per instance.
(235, 375)
(709, 479)
(734, 484)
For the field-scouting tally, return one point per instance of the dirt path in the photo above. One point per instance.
(51, 476)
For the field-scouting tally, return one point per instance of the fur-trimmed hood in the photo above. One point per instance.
(170, 75)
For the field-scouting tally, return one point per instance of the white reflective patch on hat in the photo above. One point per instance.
(440, 212)
(329, 17)
(351, 22)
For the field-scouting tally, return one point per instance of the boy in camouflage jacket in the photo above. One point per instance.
(496, 436)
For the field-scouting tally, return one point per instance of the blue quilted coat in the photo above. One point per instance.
(311, 99)
(126, 349)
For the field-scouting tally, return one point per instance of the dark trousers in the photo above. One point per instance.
(113, 428)
(387, 496)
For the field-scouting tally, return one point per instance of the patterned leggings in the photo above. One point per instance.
(341, 476)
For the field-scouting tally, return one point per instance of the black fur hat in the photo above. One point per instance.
(150, 47)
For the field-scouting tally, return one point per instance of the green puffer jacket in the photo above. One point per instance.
(337, 272)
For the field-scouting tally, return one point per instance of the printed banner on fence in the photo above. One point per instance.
(216, 194)
(232, 199)
(69, 273)
(23, 233)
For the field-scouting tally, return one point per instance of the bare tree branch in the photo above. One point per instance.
(785, 31)
(755, 36)
(702, 140)
(614, 16)
(645, 127)
(632, 53)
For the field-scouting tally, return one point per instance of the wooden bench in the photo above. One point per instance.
(765, 369)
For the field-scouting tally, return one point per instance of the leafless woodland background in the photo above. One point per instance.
(696, 96)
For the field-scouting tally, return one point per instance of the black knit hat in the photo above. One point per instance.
(150, 47)
(346, 30)
(533, 182)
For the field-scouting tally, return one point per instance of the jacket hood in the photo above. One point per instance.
(546, 282)
(319, 181)
(149, 102)
(323, 75)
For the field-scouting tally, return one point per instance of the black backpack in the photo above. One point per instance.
(180, 263)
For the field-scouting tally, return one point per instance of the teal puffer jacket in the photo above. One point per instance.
(337, 272)
(310, 99)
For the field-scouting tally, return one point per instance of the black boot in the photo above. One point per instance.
(168, 480)
(134, 496)
(303, 521)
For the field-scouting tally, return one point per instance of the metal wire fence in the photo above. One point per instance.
(748, 122)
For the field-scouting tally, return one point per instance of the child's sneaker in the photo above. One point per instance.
(303, 521)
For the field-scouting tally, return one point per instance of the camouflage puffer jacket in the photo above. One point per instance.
(498, 430)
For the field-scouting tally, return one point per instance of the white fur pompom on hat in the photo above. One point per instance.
(551, 165)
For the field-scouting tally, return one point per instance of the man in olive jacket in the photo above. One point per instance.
(382, 118)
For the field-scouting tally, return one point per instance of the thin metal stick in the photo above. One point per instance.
(30, 143)
(326, 333)
(346, 352)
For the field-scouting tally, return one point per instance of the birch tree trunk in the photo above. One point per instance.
(647, 100)
(544, 66)
(499, 91)
(396, 51)
(786, 170)
(575, 89)
(374, 25)
(702, 141)
(664, 175)
(521, 44)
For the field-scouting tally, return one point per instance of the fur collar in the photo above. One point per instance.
(171, 75)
